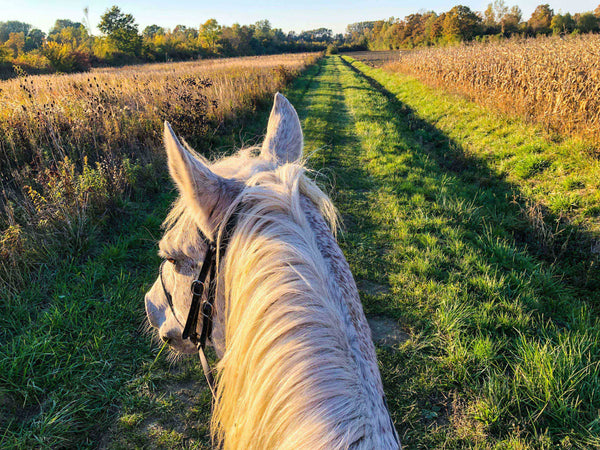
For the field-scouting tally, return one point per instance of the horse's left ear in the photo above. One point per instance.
(283, 142)
(203, 191)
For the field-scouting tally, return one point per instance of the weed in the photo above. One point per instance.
(531, 165)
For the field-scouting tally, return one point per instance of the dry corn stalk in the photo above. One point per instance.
(553, 80)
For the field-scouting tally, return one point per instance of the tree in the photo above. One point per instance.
(16, 43)
(501, 12)
(186, 32)
(61, 24)
(588, 23)
(34, 40)
(4, 53)
(317, 35)
(121, 29)
(236, 40)
(562, 24)
(436, 29)
(13, 26)
(461, 24)
(63, 58)
(541, 19)
(66, 31)
(489, 16)
(501, 9)
(180, 30)
(152, 30)
(86, 18)
(510, 22)
(210, 32)
(433, 28)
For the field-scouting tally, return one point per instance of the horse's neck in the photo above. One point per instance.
(342, 293)
(343, 290)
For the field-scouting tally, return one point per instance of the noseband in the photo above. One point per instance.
(206, 305)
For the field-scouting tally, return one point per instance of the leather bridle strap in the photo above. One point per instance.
(208, 269)
(207, 372)
(191, 324)
(207, 308)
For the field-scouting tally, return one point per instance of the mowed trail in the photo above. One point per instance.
(481, 341)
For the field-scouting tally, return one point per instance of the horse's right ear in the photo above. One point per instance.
(284, 141)
(199, 186)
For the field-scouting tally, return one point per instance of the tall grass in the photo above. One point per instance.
(552, 80)
(46, 118)
(71, 145)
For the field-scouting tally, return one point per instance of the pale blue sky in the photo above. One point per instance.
(298, 16)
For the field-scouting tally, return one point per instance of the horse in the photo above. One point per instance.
(297, 367)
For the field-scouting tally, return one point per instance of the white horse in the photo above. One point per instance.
(297, 365)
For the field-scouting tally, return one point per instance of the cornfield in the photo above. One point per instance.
(551, 80)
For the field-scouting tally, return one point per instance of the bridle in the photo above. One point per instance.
(206, 306)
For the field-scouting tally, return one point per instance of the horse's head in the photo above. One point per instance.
(207, 192)
(299, 369)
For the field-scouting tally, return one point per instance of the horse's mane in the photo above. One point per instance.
(287, 379)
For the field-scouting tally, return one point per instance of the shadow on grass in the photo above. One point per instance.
(332, 154)
(547, 237)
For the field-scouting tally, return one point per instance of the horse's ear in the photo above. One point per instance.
(199, 186)
(283, 142)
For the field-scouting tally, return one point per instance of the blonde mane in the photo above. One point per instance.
(287, 375)
(298, 368)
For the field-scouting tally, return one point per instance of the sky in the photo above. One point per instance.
(297, 16)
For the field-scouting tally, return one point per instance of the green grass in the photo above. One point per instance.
(540, 163)
(502, 343)
(71, 341)
(503, 346)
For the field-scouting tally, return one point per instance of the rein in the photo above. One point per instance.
(200, 305)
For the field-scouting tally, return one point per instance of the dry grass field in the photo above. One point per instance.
(552, 80)
(71, 144)
(121, 108)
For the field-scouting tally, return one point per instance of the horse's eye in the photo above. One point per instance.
(172, 260)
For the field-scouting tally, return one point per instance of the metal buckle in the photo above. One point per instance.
(197, 287)
(207, 310)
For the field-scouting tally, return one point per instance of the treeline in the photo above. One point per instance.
(462, 24)
(70, 46)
